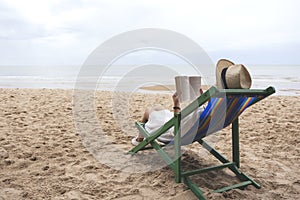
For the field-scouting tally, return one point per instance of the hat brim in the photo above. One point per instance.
(221, 64)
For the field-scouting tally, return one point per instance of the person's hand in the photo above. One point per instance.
(176, 99)
(201, 91)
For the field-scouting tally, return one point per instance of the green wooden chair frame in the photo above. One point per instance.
(175, 164)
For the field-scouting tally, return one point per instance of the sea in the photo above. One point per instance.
(285, 79)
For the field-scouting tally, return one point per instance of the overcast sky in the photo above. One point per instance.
(65, 32)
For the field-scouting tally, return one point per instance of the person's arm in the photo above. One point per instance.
(176, 103)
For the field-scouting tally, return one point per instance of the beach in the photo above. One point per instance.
(43, 156)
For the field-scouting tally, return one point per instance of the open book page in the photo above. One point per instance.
(188, 87)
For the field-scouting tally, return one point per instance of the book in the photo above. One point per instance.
(188, 87)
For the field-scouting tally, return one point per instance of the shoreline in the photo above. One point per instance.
(167, 87)
(285, 85)
(293, 92)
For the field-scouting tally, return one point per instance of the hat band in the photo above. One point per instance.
(223, 78)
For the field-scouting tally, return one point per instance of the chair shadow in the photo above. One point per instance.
(211, 180)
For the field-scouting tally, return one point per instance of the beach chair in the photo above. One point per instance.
(223, 108)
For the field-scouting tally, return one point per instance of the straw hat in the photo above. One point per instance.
(230, 75)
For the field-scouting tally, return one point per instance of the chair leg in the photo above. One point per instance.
(177, 155)
(235, 142)
(194, 188)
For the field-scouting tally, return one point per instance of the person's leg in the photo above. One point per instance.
(146, 115)
(144, 120)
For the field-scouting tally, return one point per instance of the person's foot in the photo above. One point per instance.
(136, 141)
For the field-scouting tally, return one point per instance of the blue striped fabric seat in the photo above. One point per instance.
(218, 114)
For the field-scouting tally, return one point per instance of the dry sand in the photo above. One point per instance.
(42, 155)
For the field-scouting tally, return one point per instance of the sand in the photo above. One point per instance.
(42, 155)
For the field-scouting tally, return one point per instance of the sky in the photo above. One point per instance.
(65, 32)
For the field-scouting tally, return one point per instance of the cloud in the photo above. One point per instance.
(14, 27)
(66, 31)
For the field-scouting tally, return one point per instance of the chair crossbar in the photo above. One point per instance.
(238, 185)
(207, 169)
